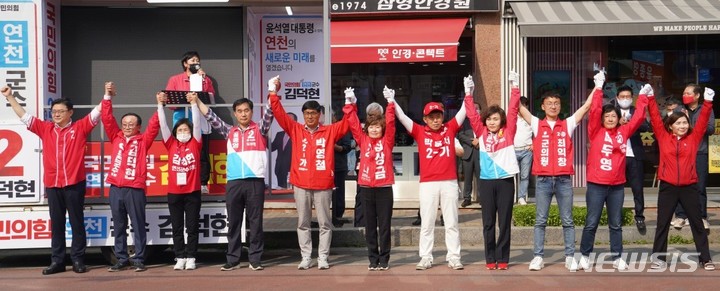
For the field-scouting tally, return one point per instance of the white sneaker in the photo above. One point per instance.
(584, 263)
(424, 264)
(455, 264)
(658, 264)
(179, 264)
(706, 224)
(678, 223)
(522, 201)
(204, 190)
(190, 264)
(323, 263)
(305, 264)
(536, 264)
(571, 264)
(620, 264)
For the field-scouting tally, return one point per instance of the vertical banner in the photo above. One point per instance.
(291, 47)
(19, 158)
(50, 52)
(714, 149)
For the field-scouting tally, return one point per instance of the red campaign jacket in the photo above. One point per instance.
(552, 150)
(678, 155)
(376, 159)
(128, 163)
(313, 160)
(606, 156)
(63, 150)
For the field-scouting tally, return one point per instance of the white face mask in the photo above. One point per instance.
(624, 103)
(183, 137)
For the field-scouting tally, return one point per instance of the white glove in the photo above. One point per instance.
(647, 90)
(389, 94)
(709, 94)
(599, 79)
(468, 84)
(514, 78)
(271, 83)
(350, 95)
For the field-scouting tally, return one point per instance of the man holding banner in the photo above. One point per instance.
(63, 143)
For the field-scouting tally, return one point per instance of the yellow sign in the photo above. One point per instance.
(714, 149)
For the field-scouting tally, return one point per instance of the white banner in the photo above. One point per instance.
(32, 229)
(18, 58)
(20, 180)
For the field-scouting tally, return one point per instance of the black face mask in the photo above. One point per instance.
(194, 68)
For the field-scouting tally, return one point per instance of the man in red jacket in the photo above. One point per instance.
(311, 172)
(63, 143)
(128, 172)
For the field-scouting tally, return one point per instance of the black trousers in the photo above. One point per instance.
(378, 203)
(471, 171)
(245, 195)
(205, 160)
(184, 212)
(689, 197)
(72, 199)
(497, 199)
(338, 195)
(634, 173)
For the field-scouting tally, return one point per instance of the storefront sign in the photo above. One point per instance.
(714, 149)
(429, 6)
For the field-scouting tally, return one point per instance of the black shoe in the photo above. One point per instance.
(417, 221)
(337, 223)
(372, 267)
(139, 267)
(256, 266)
(442, 221)
(314, 224)
(640, 223)
(54, 268)
(466, 203)
(79, 267)
(382, 267)
(230, 266)
(118, 267)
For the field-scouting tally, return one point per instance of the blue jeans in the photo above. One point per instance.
(561, 187)
(524, 159)
(596, 197)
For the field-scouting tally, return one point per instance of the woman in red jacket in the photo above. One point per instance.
(376, 176)
(678, 144)
(184, 144)
(606, 171)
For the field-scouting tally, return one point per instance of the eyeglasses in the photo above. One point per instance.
(129, 125)
(54, 112)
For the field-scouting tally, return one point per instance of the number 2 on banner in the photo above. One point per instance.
(8, 152)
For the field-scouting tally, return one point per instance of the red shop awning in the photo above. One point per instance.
(395, 41)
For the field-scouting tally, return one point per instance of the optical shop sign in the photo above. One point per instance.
(19, 158)
(292, 47)
(384, 6)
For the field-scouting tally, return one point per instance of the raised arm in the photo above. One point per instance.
(638, 118)
(221, 126)
(151, 131)
(580, 113)
(164, 129)
(702, 123)
(389, 95)
(108, 119)
(390, 124)
(595, 118)
(655, 117)
(285, 122)
(197, 130)
(514, 107)
(7, 92)
(525, 114)
(350, 110)
(469, 87)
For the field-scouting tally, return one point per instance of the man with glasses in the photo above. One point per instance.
(311, 171)
(63, 143)
(127, 176)
(553, 166)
